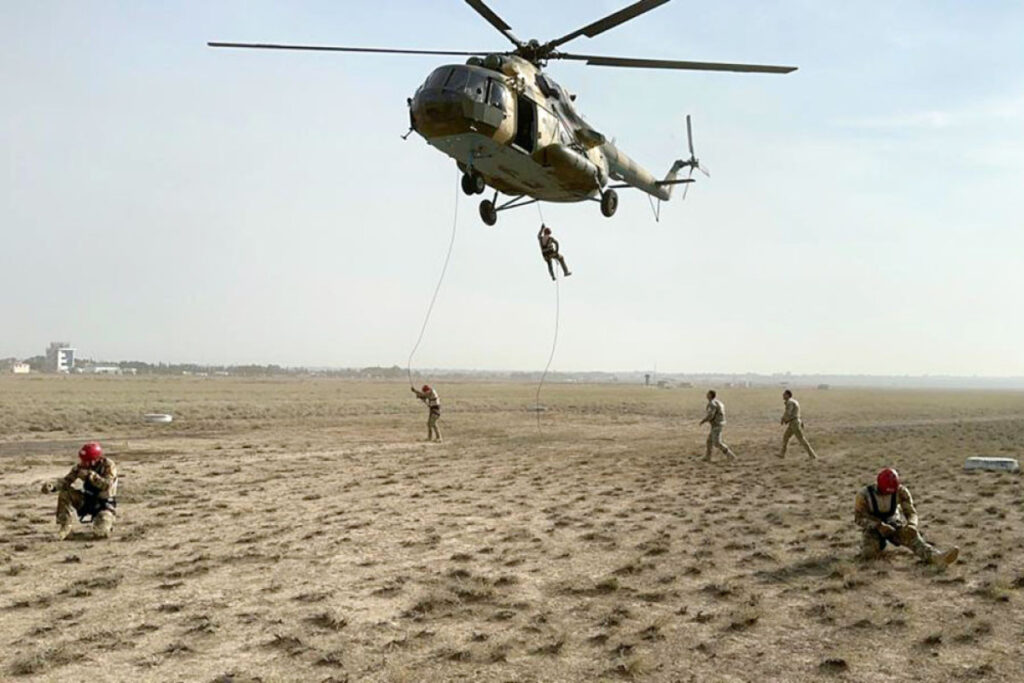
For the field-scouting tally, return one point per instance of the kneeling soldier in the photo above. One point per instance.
(96, 499)
(885, 512)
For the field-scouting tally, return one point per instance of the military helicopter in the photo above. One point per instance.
(510, 126)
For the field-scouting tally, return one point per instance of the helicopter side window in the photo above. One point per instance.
(497, 96)
(476, 86)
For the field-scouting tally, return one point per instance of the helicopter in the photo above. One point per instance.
(509, 126)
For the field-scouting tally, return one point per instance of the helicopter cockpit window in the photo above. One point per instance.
(436, 80)
(458, 80)
(498, 95)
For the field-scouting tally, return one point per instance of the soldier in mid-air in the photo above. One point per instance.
(433, 401)
(794, 426)
(715, 416)
(549, 249)
(96, 500)
(885, 513)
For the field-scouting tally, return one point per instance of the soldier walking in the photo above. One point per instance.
(95, 501)
(549, 249)
(885, 513)
(433, 401)
(715, 416)
(794, 426)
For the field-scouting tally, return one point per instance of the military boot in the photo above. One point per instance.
(63, 529)
(947, 558)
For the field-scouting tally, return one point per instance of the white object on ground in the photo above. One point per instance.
(997, 464)
(157, 418)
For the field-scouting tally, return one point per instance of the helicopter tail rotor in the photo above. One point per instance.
(693, 162)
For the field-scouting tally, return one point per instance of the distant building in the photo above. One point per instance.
(21, 368)
(60, 357)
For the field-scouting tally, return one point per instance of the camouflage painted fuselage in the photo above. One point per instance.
(509, 122)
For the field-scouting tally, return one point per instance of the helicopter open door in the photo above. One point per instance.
(526, 124)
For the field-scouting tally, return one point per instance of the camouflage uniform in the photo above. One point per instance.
(549, 249)
(872, 510)
(794, 427)
(97, 499)
(715, 416)
(433, 401)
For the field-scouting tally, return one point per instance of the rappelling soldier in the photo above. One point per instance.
(794, 426)
(885, 513)
(549, 249)
(433, 401)
(715, 416)
(96, 501)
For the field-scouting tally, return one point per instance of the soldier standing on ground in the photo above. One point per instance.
(96, 499)
(549, 249)
(885, 513)
(794, 426)
(433, 401)
(715, 416)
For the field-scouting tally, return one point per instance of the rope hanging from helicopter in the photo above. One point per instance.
(554, 341)
(440, 280)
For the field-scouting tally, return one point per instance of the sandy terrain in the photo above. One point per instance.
(301, 530)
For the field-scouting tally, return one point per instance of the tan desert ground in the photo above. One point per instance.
(302, 530)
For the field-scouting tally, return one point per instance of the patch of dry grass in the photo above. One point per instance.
(301, 527)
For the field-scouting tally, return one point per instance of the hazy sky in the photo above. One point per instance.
(165, 201)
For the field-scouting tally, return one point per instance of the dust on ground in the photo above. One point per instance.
(301, 530)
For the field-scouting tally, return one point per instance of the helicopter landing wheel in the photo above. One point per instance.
(488, 213)
(609, 203)
(473, 183)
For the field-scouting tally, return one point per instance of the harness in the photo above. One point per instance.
(93, 504)
(876, 512)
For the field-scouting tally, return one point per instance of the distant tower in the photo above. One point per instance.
(60, 357)
(647, 380)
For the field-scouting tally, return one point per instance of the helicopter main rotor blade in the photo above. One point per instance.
(609, 22)
(689, 135)
(331, 48)
(494, 20)
(596, 60)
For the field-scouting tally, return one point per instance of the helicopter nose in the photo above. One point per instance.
(437, 113)
(458, 99)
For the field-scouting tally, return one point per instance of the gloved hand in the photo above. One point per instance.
(886, 530)
(48, 487)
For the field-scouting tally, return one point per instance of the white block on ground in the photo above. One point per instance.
(157, 418)
(995, 464)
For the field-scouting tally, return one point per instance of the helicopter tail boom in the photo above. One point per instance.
(621, 167)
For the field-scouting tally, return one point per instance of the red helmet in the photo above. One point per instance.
(426, 389)
(888, 481)
(90, 453)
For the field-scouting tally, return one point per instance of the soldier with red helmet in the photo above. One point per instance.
(433, 401)
(96, 501)
(885, 513)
